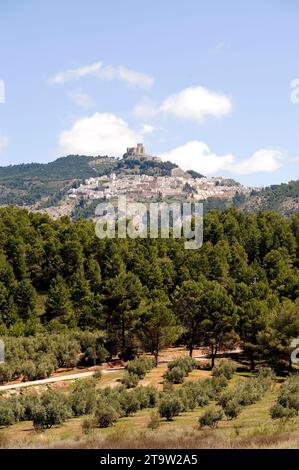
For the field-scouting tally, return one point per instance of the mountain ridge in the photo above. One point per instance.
(45, 185)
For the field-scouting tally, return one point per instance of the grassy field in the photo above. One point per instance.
(253, 428)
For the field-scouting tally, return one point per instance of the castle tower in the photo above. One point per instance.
(140, 149)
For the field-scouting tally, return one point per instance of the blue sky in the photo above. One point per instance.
(205, 84)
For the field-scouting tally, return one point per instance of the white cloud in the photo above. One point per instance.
(262, 161)
(75, 74)
(81, 99)
(99, 134)
(147, 129)
(3, 142)
(135, 78)
(196, 155)
(196, 103)
(107, 72)
(129, 76)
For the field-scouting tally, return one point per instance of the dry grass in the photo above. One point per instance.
(252, 429)
(111, 380)
(155, 377)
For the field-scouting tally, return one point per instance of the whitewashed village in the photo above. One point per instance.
(179, 184)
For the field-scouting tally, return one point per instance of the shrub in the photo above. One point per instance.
(288, 399)
(186, 364)
(5, 373)
(245, 393)
(232, 409)
(287, 404)
(92, 347)
(136, 367)
(249, 392)
(146, 396)
(227, 396)
(40, 418)
(106, 416)
(149, 362)
(83, 398)
(129, 403)
(188, 396)
(225, 368)
(189, 364)
(45, 367)
(87, 425)
(215, 385)
(67, 350)
(140, 366)
(289, 394)
(174, 363)
(52, 410)
(7, 417)
(183, 398)
(141, 396)
(265, 378)
(111, 396)
(154, 421)
(17, 407)
(198, 392)
(29, 403)
(175, 375)
(101, 352)
(28, 369)
(130, 380)
(152, 396)
(170, 406)
(11, 410)
(38, 356)
(280, 412)
(211, 418)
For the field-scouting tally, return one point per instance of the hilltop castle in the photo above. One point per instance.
(138, 153)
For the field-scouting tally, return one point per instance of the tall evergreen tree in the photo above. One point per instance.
(157, 327)
(59, 306)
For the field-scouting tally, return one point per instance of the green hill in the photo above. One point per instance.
(27, 184)
(283, 198)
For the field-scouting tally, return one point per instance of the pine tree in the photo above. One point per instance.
(58, 304)
(157, 327)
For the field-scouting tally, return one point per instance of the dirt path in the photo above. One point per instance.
(78, 375)
(61, 378)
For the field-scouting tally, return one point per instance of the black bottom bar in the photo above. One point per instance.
(202, 458)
